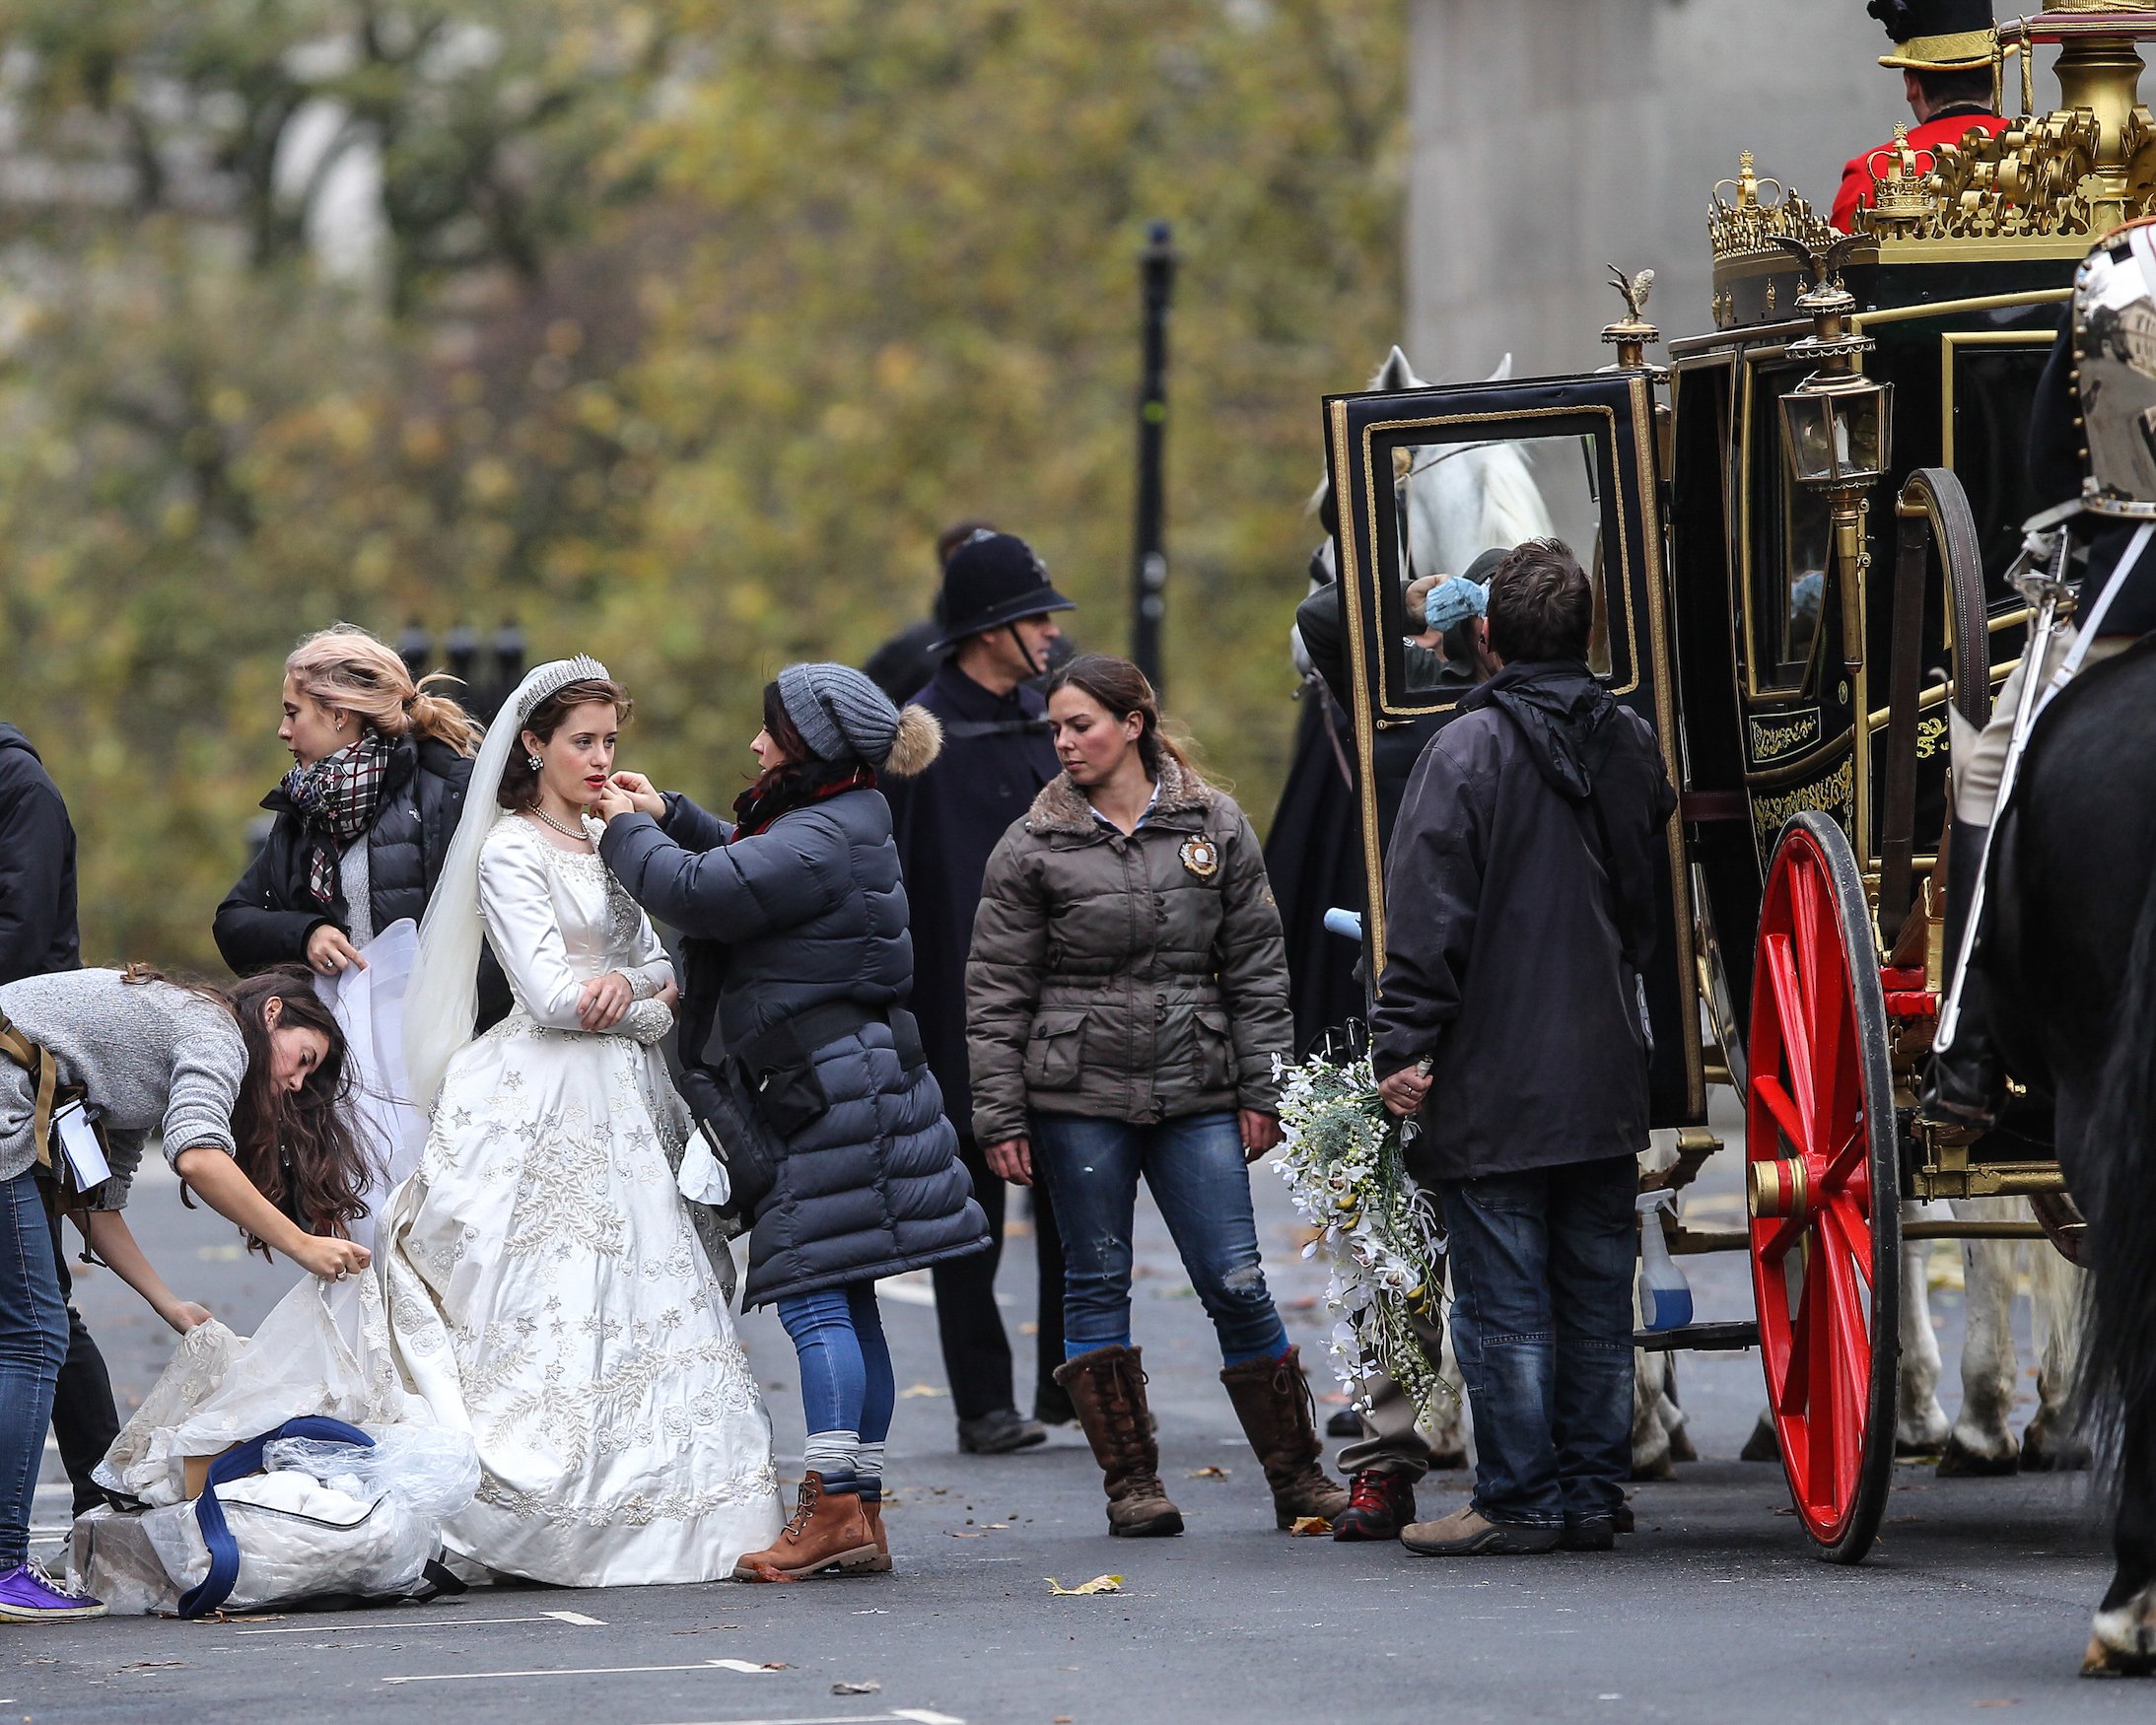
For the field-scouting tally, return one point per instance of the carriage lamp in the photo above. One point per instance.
(1838, 425)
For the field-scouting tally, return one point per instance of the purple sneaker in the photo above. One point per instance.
(28, 1595)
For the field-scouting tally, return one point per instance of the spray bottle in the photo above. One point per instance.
(1666, 1297)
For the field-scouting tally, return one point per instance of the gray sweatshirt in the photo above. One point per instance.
(150, 1055)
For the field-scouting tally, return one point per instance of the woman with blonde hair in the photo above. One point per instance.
(364, 817)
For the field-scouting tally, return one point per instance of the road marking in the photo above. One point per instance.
(582, 1670)
(577, 1618)
(917, 1715)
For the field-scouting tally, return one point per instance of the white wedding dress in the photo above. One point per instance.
(547, 1287)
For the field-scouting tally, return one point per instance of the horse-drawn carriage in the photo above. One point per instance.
(1801, 532)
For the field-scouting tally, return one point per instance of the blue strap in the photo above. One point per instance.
(236, 1464)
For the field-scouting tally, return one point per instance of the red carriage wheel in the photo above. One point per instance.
(1824, 1183)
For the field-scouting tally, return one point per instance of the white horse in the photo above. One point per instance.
(1981, 1440)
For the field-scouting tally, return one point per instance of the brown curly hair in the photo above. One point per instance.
(520, 786)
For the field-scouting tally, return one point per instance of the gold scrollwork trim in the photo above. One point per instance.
(1771, 741)
(1835, 795)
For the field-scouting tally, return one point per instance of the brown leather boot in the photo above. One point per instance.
(829, 1532)
(872, 1508)
(1108, 1387)
(1273, 1400)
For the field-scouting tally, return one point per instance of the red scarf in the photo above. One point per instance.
(786, 789)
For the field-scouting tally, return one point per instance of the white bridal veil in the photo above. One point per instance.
(441, 1001)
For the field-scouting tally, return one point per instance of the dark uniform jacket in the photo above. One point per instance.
(268, 916)
(811, 912)
(38, 933)
(2057, 466)
(996, 759)
(1508, 915)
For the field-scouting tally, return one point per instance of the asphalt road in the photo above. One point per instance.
(1977, 1599)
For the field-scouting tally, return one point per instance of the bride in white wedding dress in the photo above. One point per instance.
(547, 1287)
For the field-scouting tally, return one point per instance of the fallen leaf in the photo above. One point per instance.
(1063, 1719)
(1029, 1329)
(857, 1688)
(1005, 1525)
(960, 1533)
(774, 1665)
(914, 1392)
(1098, 1584)
(2007, 1701)
(155, 1664)
(1208, 1472)
(1310, 1527)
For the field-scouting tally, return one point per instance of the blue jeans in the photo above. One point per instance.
(845, 1365)
(1542, 1267)
(1195, 1170)
(33, 1343)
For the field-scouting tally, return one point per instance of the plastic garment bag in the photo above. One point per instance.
(370, 1008)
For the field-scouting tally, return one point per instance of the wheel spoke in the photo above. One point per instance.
(1787, 1232)
(1770, 1091)
(1789, 1390)
(1821, 1414)
(1849, 1359)
(1851, 1233)
(1796, 1037)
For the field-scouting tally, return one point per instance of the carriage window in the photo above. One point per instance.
(1452, 501)
(1791, 546)
(1992, 381)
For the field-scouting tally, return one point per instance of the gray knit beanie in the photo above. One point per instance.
(838, 713)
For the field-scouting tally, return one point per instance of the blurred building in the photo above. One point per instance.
(1554, 137)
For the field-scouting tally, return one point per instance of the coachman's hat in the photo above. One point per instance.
(990, 581)
(1937, 36)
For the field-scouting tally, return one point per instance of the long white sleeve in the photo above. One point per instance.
(525, 933)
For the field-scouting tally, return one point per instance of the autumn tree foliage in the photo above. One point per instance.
(673, 331)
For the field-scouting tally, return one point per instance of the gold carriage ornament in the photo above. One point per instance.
(2051, 182)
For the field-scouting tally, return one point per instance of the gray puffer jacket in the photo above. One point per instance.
(808, 912)
(1137, 977)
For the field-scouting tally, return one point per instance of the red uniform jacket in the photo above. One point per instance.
(1855, 192)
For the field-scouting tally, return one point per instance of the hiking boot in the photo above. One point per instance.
(1107, 1388)
(997, 1433)
(28, 1595)
(1592, 1533)
(1380, 1506)
(871, 1507)
(1468, 1533)
(1273, 1400)
(829, 1532)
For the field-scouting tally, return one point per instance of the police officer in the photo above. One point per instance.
(999, 610)
(1944, 50)
(2087, 444)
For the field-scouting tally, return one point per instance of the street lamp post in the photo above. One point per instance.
(1149, 564)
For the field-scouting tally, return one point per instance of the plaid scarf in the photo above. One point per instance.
(336, 799)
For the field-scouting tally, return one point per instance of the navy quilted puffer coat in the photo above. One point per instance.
(807, 913)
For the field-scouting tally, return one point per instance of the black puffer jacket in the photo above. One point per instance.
(808, 913)
(267, 917)
(38, 933)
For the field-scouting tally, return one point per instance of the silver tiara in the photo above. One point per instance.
(559, 674)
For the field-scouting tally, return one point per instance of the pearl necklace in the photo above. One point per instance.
(566, 832)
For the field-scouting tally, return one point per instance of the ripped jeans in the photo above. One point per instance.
(1194, 1167)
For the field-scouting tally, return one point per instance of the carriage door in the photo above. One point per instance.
(1424, 481)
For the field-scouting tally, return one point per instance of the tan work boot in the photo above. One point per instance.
(1108, 1387)
(1273, 1400)
(829, 1532)
(872, 1508)
(1468, 1533)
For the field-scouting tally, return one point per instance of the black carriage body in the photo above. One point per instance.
(1720, 622)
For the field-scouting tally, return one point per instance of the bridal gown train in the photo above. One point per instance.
(547, 1288)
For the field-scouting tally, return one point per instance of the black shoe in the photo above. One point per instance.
(1345, 1422)
(1965, 1084)
(999, 1432)
(1596, 1533)
(1052, 1404)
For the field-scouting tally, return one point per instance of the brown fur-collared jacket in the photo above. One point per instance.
(1136, 977)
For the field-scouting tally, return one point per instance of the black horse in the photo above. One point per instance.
(2072, 955)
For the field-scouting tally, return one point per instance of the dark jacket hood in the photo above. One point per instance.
(1564, 711)
(11, 738)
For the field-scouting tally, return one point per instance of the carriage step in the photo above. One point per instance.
(1705, 1338)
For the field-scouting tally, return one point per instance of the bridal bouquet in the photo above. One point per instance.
(1342, 1158)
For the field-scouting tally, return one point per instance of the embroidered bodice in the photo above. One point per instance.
(556, 919)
